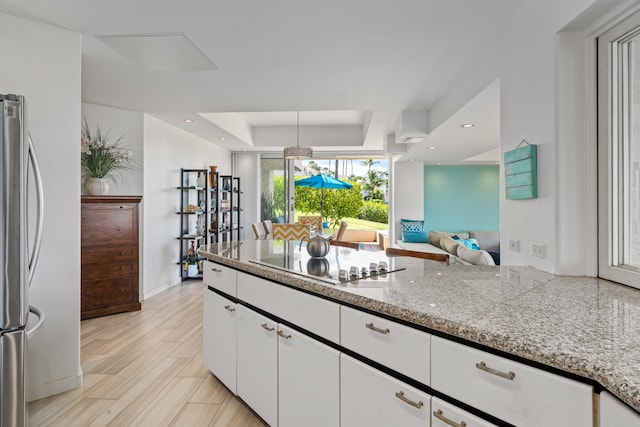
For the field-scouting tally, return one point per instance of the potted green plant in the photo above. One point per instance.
(102, 160)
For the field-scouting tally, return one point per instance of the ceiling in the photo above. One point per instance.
(242, 69)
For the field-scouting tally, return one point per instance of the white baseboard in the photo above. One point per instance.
(45, 390)
(157, 290)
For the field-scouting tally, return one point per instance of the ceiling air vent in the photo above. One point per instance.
(412, 127)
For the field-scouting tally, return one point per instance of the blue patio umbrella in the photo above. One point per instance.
(323, 181)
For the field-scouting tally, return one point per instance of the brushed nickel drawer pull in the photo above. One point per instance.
(508, 375)
(216, 270)
(439, 415)
(228, 307)
(267, 328)
(283, 335)
(379, 330)
(400, 395)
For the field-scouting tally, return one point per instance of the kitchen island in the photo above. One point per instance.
(587, 328)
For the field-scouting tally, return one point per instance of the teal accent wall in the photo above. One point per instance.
(459, 198)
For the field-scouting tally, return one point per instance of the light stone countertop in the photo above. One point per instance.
(585, 326)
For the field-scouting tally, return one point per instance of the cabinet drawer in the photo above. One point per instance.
(514, 392)
(220, 277)
(312, 313)
(105, 292)
(92, 254)
(391, 344)
(444, 414)
(109, 224)
(105, 270)
(371, 398)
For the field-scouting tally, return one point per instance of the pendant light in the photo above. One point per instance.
(297, 152)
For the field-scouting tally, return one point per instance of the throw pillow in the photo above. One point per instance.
(476, 257)
(412, 224)
(434, 238)
(470, 243)
(449, 245)
(415, 236)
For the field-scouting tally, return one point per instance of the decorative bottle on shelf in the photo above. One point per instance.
(212, 176)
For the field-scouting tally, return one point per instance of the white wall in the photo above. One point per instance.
(407, 193)
(167, 150)
(43, 64)
(120, 123)
(247, 167)
(533, 99)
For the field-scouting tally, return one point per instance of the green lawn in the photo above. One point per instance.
(359, 224)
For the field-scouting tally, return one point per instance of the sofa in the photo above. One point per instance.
(472, 247)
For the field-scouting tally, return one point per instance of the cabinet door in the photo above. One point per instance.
(219, 338)
(371, 398)
(257, 369)
(308, 379)
(614, 413)
(444, 414)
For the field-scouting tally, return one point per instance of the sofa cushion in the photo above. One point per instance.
(476, 257)
(487, 240)
(450, 245)
(415, 236)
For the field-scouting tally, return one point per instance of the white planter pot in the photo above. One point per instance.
(97, 186)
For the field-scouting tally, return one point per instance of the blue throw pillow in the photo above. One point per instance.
(412, 224)
(415, 236)
(471, 243)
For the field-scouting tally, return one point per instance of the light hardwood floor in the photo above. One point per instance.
(145, 368)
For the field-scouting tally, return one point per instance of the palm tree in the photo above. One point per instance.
(369, 163)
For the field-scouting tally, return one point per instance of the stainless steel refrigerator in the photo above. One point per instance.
(19, 251)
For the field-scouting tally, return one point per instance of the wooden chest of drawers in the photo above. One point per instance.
(109, 260)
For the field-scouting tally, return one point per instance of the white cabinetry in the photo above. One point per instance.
(258, 363)
(371, 398)
(308, 381)
(220, 277)
(396, 346)
(314, 314)
(288, 378)
(444, 414)
(514, 392)
(614, 413)
(219, 337)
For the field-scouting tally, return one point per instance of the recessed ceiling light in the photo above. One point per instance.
(245, 149)
(467, 125)
(432, 148)
(412, 160)
(222, 138)
(188, 121)
(439, 163)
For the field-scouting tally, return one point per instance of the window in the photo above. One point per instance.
(619, 152)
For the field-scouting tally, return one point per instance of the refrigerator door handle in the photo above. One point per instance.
(35, 252)
(31, 332)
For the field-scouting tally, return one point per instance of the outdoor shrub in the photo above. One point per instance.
(374, 210)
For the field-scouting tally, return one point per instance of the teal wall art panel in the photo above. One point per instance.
(520, 172)
(459, 198)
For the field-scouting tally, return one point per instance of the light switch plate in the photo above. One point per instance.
(537, 250)
(514, 245)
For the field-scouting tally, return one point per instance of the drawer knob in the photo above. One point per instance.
(283, 335)
(400, 395)
(371, 326)
(216, 270)
(439, 415)
(267, 328)
(228, 307)
(508, 375)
